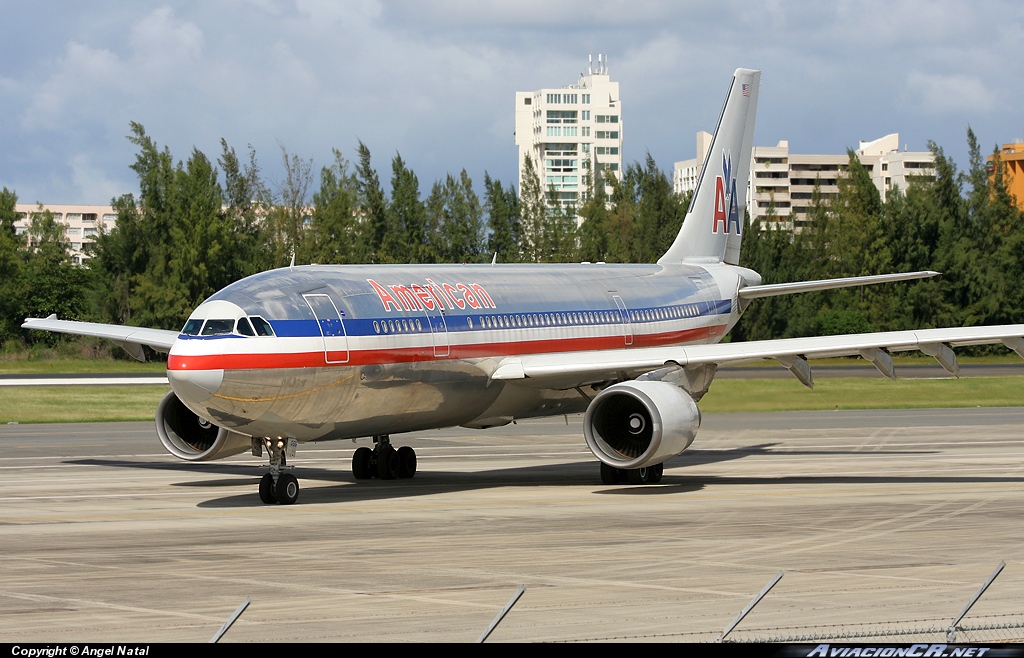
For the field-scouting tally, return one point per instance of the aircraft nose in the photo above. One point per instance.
(195, 385)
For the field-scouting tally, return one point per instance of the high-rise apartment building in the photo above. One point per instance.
(566, 131)
(1011, 157)
(81, 224)
(782, 183)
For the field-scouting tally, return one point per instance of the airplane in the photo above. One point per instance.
(326, 352)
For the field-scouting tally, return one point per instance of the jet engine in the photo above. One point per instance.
(187, 436)
(640, 423)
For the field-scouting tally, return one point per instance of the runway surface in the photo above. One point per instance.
(875, 517)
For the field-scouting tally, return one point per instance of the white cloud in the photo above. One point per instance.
(956, 93)
(435, 80)
(161, 41)
(91, 181)
(82, 73)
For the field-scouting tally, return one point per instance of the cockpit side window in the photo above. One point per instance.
(192, 327)
(218, 327)
(244, 327)
(261, 326)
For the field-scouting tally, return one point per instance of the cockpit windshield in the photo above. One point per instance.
(192, 327)
(261, 326)
(250, 327)
(218, 327)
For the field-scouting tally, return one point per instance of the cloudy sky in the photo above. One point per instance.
(436, 80)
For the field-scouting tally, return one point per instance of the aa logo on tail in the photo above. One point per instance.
(726, 209)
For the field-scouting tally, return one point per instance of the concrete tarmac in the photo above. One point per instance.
(877, 518)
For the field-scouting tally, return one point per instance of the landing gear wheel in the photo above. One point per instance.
(640, 475)
(406, 462)
(287, 491)
(612, 475)
(387, 463)
(362, 464)
(656, 472)
(267, 489)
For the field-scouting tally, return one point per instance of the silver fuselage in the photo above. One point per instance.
(366, 350)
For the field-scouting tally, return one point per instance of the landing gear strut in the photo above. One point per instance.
(383, 461)
(278, 486)
(645, 475)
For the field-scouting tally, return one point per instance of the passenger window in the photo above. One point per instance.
(192, 327)
(261, 326)
(245, 328)
(218, 327)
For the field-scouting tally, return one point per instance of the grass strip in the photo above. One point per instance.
(81, 404)
(728, 395)
(74, 366)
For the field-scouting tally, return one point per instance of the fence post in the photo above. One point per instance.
(750, 606)
(501, 615)
(951, 631)
(224, 629)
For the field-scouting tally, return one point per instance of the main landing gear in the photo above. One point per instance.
(383, 461)
(278, 486)
(645, 475)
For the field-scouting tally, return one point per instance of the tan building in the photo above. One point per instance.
(565, 129)
(81, 223)
(686, 173)
(1012, 159)
(783, 182)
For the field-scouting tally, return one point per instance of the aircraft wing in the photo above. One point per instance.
(130, 338)
(566, 370)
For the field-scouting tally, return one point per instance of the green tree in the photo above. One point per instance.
(533, 212)
(247, 202)
(10, 266)
(456, 219)
(289, 215)
(195, 261)
(374, 209)
(594, 212)
(49, 282)
(333, 236)
(502, 208)
(659, 212)
(406, 236)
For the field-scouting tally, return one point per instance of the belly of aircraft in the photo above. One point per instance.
(349, 402)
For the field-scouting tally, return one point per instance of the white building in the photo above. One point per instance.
(686, 174)
(783, 182)
(565, 129)
(81, 223)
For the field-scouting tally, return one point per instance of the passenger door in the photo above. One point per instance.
(332, 327)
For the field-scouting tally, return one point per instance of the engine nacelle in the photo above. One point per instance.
(640, 423)
(187, 436)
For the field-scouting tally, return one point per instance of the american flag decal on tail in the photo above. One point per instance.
(746, 90)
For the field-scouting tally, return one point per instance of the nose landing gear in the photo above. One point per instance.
(278, 486)
(383, 461)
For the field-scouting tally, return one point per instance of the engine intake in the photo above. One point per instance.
(640, 423)
(187, 436)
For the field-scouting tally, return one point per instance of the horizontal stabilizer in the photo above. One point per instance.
(772, 290)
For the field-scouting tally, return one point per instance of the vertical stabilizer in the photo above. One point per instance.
(714, 223)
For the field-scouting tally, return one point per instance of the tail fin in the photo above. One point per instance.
(714, 223)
